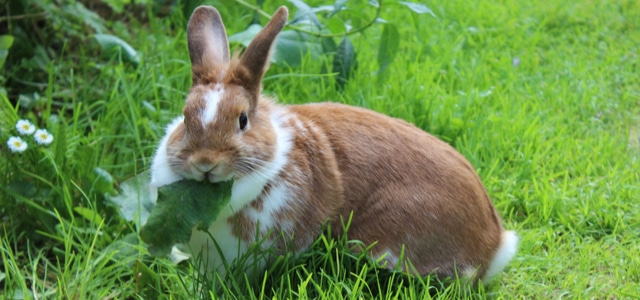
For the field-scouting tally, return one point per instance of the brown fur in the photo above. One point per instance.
(408, 188)
(404, 187)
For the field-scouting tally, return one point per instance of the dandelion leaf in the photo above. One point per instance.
(181, 206)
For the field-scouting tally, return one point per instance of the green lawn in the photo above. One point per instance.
(542, 97)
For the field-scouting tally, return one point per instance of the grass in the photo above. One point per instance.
(542, 97)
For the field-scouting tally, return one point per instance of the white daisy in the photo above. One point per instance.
(43, 137)
(25, 127)
(16, 144)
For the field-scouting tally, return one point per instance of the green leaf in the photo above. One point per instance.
(344, 62)
(419, 8)
(335, 26)
(389, 43)
(136, 199)
(245, 37)
(5, 43)
(111, 43)
(78, 10)
(89, 214)
(304, 14)
(328, 45)
(337, 7)
(103, 181)
(182, 206)
(291, 46)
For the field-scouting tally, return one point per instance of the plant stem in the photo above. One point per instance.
(254, 8)
(25, 16)
(313, 33)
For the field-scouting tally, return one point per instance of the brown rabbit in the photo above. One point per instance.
(296, 168)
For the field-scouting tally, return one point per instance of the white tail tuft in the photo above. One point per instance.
(505, 253)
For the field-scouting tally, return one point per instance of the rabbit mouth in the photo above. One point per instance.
(213, 178)
(212, 174)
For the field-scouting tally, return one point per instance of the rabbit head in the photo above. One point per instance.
(225, 132)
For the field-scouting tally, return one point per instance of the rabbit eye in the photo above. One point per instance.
(242, 120)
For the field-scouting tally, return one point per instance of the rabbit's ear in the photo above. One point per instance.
(208, 45)
(255, 60)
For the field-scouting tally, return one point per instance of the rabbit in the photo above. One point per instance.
(297, 168)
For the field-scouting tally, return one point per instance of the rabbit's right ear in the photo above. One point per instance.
(208, 45)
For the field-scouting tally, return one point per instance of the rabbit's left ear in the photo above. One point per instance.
(208, 45)
(255, 60)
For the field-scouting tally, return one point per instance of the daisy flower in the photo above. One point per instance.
(25, 127)
(16, 144)
(43, 137)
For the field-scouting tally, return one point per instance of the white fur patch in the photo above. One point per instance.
(161, 172)
(273, 202)
(212, 99)
(249, 187)
(505, 253)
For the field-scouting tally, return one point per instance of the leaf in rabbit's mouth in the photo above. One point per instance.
(180, 207)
